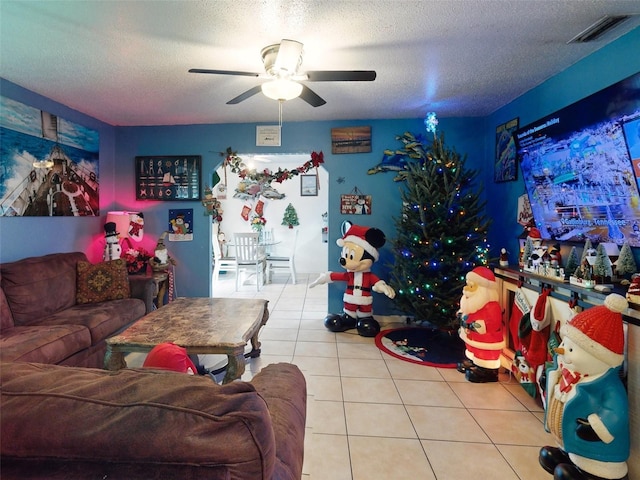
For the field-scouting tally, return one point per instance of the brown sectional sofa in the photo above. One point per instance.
(65, 422)
(41, 321)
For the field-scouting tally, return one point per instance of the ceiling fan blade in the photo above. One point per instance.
(341, 76)
(311, 97)
(243, 96)
(224, 72)
(289, 56)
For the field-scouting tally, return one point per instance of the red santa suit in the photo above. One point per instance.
(357, 298)
(483, 338)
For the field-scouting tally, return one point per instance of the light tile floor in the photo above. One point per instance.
(371, 416)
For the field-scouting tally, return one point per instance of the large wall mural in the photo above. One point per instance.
(48, 165)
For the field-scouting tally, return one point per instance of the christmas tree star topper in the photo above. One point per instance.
(431, 122)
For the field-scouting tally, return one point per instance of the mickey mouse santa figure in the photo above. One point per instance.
(359, 251)
(587, 406)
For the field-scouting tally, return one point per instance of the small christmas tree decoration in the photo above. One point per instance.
(290, 218)
(528, 250)
(602, 265)
(626, 264)
(585, 251)
(572, 261)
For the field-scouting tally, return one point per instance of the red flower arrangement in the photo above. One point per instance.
(136, 259)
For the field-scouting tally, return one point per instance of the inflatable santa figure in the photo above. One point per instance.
(481, 326)
(587, 406)
(359, 252)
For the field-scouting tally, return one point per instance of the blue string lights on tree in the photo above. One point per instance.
(441, 232)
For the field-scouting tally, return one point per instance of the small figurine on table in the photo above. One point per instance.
(112, 249)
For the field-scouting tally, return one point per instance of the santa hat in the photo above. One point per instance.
(599, 330)
(535, 234)
(169, 356)
(357, 234)
(482, 276)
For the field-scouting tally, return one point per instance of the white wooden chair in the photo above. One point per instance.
(267, 238)
(249, 255)
(287, 262)
(220, 262)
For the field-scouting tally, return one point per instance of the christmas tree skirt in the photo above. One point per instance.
(424, 346)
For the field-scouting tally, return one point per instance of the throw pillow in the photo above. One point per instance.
(102, 281)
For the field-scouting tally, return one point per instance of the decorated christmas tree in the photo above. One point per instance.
(441, 233)
(290, 218)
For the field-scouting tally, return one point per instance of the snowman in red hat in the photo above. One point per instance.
(359, 251)
(587, 406)
(481, 326)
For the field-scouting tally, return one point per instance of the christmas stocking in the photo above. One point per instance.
(534, 345)
(520, 308)
(259, 209)
(246, 209)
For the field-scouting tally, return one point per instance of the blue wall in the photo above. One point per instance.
(605, 67)
(21, 237)
(193, 273)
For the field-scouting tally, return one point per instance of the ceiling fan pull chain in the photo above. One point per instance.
(280, 102)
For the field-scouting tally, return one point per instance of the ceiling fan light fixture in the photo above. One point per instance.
(282, 89)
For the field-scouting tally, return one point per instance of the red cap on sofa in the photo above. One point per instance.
(169, 356)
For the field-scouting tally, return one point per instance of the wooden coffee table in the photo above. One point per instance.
(201, 325)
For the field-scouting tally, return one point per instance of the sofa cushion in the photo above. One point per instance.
(102, 281)
(40, 286)
(288, 413)
(134, 417)
(46, 344)
(6, 318)
(103, 319)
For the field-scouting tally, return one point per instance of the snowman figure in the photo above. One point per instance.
(112, 249)
(587, 407)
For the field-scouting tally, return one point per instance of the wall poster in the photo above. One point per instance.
(355, 203)
(181, 225)
(506, 166)
(48, 165)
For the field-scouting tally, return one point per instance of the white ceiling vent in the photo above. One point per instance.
(599, 28)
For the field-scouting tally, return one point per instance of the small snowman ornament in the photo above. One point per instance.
(587, 406)
(112, 249)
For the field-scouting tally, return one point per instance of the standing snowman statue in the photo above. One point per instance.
(587, 406)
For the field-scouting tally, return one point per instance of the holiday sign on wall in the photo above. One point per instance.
(355, 203)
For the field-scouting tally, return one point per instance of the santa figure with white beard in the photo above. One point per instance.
(481, 326)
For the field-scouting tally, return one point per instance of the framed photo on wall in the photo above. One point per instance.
(308, 185)
(506, 165)
(351, 140)
(169, 178)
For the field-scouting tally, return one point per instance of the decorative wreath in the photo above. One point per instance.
(266, 176)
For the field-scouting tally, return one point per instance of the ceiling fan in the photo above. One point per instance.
(281, 63)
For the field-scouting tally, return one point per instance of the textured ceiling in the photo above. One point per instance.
(126, 62)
